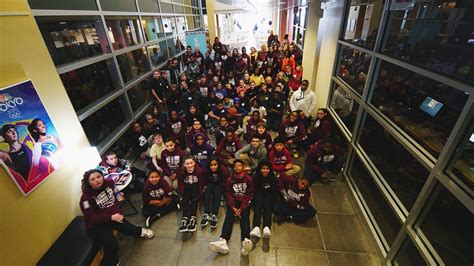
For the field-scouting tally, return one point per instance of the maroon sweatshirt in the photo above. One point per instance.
(171, 161)
(177, 128)
(239, 188)
(292, 130)
(187, 179)
(294, 197)
(316, 158)
(156, 192)
(98, 205)
(228, 147)
(279, 160)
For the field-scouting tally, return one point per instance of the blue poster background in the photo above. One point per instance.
(197, 38)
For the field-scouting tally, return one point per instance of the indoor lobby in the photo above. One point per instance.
(394, 80)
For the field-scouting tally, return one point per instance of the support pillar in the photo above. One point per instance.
(211, 20)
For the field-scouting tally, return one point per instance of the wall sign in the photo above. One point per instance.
(29, 141)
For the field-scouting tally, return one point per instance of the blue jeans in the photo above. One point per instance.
(212, 198)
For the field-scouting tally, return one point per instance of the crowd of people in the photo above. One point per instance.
(208, 138)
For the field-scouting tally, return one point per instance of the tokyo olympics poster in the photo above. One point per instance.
(29, 142)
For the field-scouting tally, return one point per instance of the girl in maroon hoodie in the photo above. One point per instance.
(158, 198)
(293, 131)
(177, 128)
(322, 127)
(294, 204)
(171, 159)
(191, 182)
(100, 206)
(228, 147)
(239, 193)
(252, 123)
(216, 174)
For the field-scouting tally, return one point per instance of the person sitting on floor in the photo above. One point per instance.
(252, 153)
(228, 147)
(323, 161)
(171, 159)
(280, 158)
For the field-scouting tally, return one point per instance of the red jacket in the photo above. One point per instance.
(195, 178)
(279, 160)
(239, 188)
(316, 158)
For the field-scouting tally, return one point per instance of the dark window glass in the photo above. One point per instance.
(353, 68)
(123, 31)
(64, 5)
(409, 255)
(196, 11)
(152, 28)
(102, 123)
(400, 169)
(172, 46)
(122, 146)
(158, 53)
(437, 35)
(148, 6)
(195, 3)
(139, 95)
(178, 9)
(166, 8)
(133, 64)
(197, 22)
(340, 140)
(71, 39)
(462, 165)
(88, 84)
(363, 22)
(345, 107)
(425, 109)
(378, 206)
(448, 227)
(118, 5)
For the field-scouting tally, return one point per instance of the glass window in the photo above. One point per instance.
(187, 2)
(462, 165)
(197, 22)
(148, 6)
(178, 9)
(409, 255)
(172, 48)
(437, 35)
(378, 206)
(169, 26)
(158, 53)
(196, 11)
(345, 107)
(122, 146)
(88, 84)
(405, 175)
(152, 28)
(102, 123)
(303, 17)
(139, 95)
(363, 22)
(70, 39)
(64, 5)
(133, 64)
(181, 41)
(195, 3)
(353, 67)
(181, 24)
(166, 8)
(121, 5)
(448, 227)
(190, 22)
(425, 109)
(188, 10)
(123, 31)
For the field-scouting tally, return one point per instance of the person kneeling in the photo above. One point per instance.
(100, 206)
(239, 191)
(294, 204)
(158, 198)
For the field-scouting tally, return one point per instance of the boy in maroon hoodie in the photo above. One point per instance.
(239, 193)
(252, 123)
(323, 161)
(294, 204)
(280, 158)
(100, 205)
(191, 180)
(171, 159)
(158, 198)
(177, 128)
(228, 147)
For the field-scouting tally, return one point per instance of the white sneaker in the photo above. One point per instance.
(246, 247)
(266, 232)
(219, 246)
(255, 232)
(147, 233)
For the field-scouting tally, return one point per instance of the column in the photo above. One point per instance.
(211, 20)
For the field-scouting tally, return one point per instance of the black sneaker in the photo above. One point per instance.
(213, 221)
(150, 219)
(205, 219)
(184, 225)
(281, 219)
(191, 225)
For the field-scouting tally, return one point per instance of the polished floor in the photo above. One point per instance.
(336, 236)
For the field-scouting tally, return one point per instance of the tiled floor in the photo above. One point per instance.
(335, 237)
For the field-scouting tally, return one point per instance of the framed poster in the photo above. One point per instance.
(29, 141)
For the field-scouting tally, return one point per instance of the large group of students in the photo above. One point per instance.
(207, 140)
